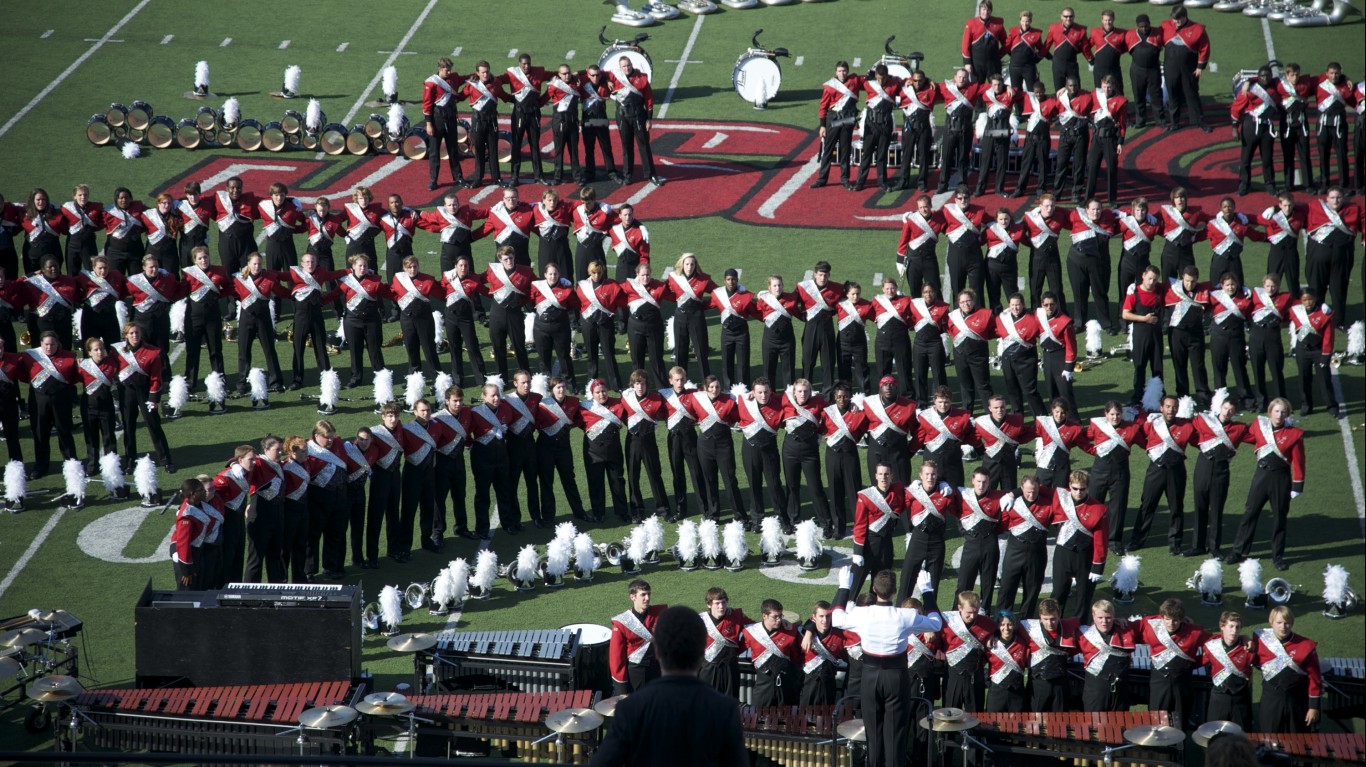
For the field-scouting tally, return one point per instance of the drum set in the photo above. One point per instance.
(757, 76)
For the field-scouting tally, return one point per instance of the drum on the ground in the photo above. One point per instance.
(273, 136)
(187, 134)
(415, 144)
(161, 132)
(639, 59)
(332, 139)
(357, 142)
(292, 123)
(248, 136)
(756, 78)
(374, 125)
(206, 119)
(98, 130)
(591, 664)
(117, 116)
(140, 115)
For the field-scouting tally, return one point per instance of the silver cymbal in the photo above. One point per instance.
(608, 706)
(327, 717)
(51, 689)
(10, 667)
(572, 721)
(411, 642)
(22, 637)
(1160, 735)
(852, 730)
(949, 720)
(1210, 730)
(385, 704)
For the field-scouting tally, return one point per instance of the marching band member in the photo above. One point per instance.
(233, 210)
(43, 227)
(141, 374)
(1024, 47)
(1000, 434)
(1185, 56)
(593, 222)
(823, 654)
(363, 290)
(51, 372)
(1106, 44)
(1107, 648)
(882, 93)
(211, 551)
(1007, 657)
(915, 256)
(416, 294)
(1064, 43)
(716, 413)
(1174, 642)
(1229, 656)
(306, 289)
(204, 286)
(1142, 307)
(521, 452)
(998, 133)
(1283, 223)
(598, 299)
(1187, 300)
(1058, 340)
(1144, 45)
(645, 327)
(1226, 233)
(294, 531)
(440, 102)
(971, 327)
(1019, 332)
(522, 84)
(555, 300)
(1088, 262)
(323, 228)
(776, 653)
(1256, 115)
(362, 224)
(1044, 223)
(960, 100)
(1079, 556)
(552, 219)
(1027, 520)
(1003, 238)
(99, 374)
(1231, 308)
(450, 428)
(454, 222)
(1074, 110)
(594, 91)
(736, 305)
(837, 114)
(419, 482)
(760, 416)
(489, 423)
(984, 41)
(1110, 439)
(682, 439)
(1311, 328)
(724, 624)
(463, 287)
(631, 241)
(644, 410)
(944, 431)
(356, 460)
(892, 343)
(557, 414)
(483, 93)
(1332, 96)
(281, 218)
(690, 289)
(1279, 478)
(233, 486)
(52, 298)
(928, 321)
(1333, 228)
(122, 226)
(819, 299)
(1109, 113)
(386, 489)
(879, 506)
(801, 409)
(1137, 227)
(11, 367)
(1038, 110)
(257, 288)
(152, 291)
(1292, 683)
(844, 426)
(635, 107)
(965, 634)
(980, 518)
(779, 344)
(80, 217)
(398, 222)
(1295, 90)
(196, 210)
(1050, 647)
(265, 522)
(930, 503)
(602, 419)
(508, 283)
(563, 92)
(963, 224)
(892, 425)
(192, 526)
(1218, 436)
(1165, 437)
(1182, 226)
(631, 654)
(11, 223)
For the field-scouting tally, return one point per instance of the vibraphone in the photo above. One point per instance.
(527, 661)
(1344, 687)
(794, 736)
(215, 720)
(510, 722)
(1315, 749)
(1078, 736)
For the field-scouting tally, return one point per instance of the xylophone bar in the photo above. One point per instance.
(794, 736)
(1315, 749)
(1075, 735)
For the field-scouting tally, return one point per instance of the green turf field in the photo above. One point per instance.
(70, 60)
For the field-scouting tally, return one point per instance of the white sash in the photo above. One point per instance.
(447, 93)
(959, 100)
(1282, 659)
(253, 290)
(1215, 648)
(157, 232)
(703, 401)
(507, 287)
(428, 444)
(719, 641)
(1068, 114)
(996, 105)
(1103, 650)
(642, 295)
(1113, 439)
(1092, 229)
(1035, 114)
(149, 290)
(1073, 524)
(587, 229)
(1284, 228)
(1183, 226)
(843, 90)
(103, 288)
(1005, 241)
(82, 220)
(51, 298)
(1003, 440)
(396, 226)
(631, 623)
(293, 468)
(206, 284)
(1220, 435)
(561, 419)
(879, 95)
(969, 641)
(451, 421)
(324, 477)
(453, 225)
(564, 102)
(1230, 237)
(358, 294)
(548, 298)
(1260, 92)
(926, 232)
(803, 415)
(1046, 650)
(272, 216)
(382, 434)
(1045, 232)
(625, 89)
(888, 313)
(1136, 234)
(485, 97)
(1102, 108)
(723, 303)
(127, 223)
(410, 291)
(310, 284)
(229, 214)
(823, 656)
(318, 232)
(496, 427)
(680, 413)
(89, 366)
(49, 369)
(833, 413)
(238, 476)
(1164, 434)
(1334, 222)
(965, 331)
(594, 304)
(1008, 664)
(1301, 328)
(1331, 98)
(758, 422)
(357, 457)
(1269, 446)
(359, 223)
(271, 489)
(976, 515)
(771, 649)
(879, 409)
(1027, 519)
(917, 491)
(1170, 649)
(1185, 302)
(1231, 309)
(685, 288)
(524, 417)
(964, 223)
(1046, 327)
(915, 650)
(1013, 337)
(606, 418)
(779, 311)
(936, 422)
(875, 497)
(525, 88)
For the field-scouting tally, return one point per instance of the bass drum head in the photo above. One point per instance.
(206, 118)
(187, 135)
(415, 144)
(249, 135)
(292, 123)
(273, 137)
(639, 59)
(590, 634)
(224, 137)
(332, 139)
(374, 125)
(899, 70)
(756, 79)
(357, 142)
(308, 140)
(98, 131)
(117, 115)
(140, 115)
(161, 132)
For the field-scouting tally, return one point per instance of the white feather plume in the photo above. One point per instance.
(528, 326)
(709, 538)
(178, 315)
(525, 567)
(1094, 342)
(540, 384)
(232, 111)
(771, 542)
(145, 476)
(653, 528)
(1152, 395)
(256, 379)
(313, 116)
(383, 386)
(1335, 584)
(496, 380)
(215, 387)
(809, 544)
(1212, 576)
(341, 330)
(330, 386)
(1216, 402)
(16, 481)
(1126, 575)
(669, 334)
(1250, 578)
(130, 150)
(585, 561)
(121, 313)
(635, 544)
(443, 384)
(441, 587)
(557, 556)
(73, 473)
(858, 399)
(687, 541)
(389, 81)
(566, 531)
(414, 387)
(438, 329)
(391, 606)
(395, 121)
(201, 74)
(485, 570)
(1185, 407)
(111, 472)
(458, 573)
(734, 542)
(739, 390)
(179, 394)
(1356, 339)
(292, 74)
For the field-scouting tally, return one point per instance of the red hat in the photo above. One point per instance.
(887, 380)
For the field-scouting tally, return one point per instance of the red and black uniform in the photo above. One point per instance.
(362, 227)
(916, 248)
(417, 297)
(1106, 657)
(80, 223)
(152, 298)
(996, 135)
(777, 658)
(971, 335)
(851, 357)
(1109, 115)
(362, 324)
(1026, 523)
(598, 302)
(1111, 445)
(960, 104)
(279, 224)
(556, 420)
(828, 654)
(521, 452)
(1038, 114)
(1181, 229)
(1279, 478)
(1218, 443)
(1292, 682)
(1311, 335)
(759, 426)
(386, 490)
(716, 453)
(843, 431)
(1166, 443)
(1105, 49)
(98, 413)
(1332, 99)
(1000, 442)
(11, 369)
(464, 307)
(1026, 49)
(635, 107)
(204, 289)
(52, 395)
(736, 309)
(965, 651)
(1283, 233)
(837, 114)
(483, 101)
(630, 654)
(265, 528)
(1330, 252)
(1145, 72)
(927, 513)
(1058, 340)
(1228, 339)
(602, 424)
(233, 218)
(1065, 42)
(1185, 52)
(308, 289)
(881, 97)
(256, 296)
(720, 659)
(162, 232)
(644, 324)
(450, 432)
(555, 306)
(1186, 334)
(294, 528)
(456, 229)
(927, 322)
(440, 99)
(917, 134)
(511, 226)
(1003, 248)
(1020, 360)
(418, 497)
(984, 42)
(1294, 100)
(101, 298)
(596, 133)
(1174, 655)
(198, 219)
(592, 227)
(1145, 344)
(1049, 653)
(1006, 664)
(192, 526)
(892, 342)
(1226, 236)
(1079, 556)
(552, 235)
(979, 517)
(691, 296)
(1045, 262)
(1136, 238)
(1256, 115)
(142, 377)
(643, 414)
(944, 435)
(43, 230)
(893, 429)
(1074, 139)
(1230, 672)
(564, 95)
(801, 456)
(1088, 264)
(681, 443)
(778, 345)
(52, 301)
(398, 229)
(819, 303)
(963, 226)
(524, 93)
(510, 291)
(878, 518)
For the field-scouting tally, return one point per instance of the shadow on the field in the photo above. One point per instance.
(696, 92)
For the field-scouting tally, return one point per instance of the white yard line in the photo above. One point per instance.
(1266, 35)
(1353, 468)
(74, 66)
(342, 48)
(678, 71)
(770, 206)
(32, 549)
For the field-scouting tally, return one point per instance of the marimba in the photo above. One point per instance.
(794, 736)
(1344, 687)
(1315, 749)
(527, 661)
(215, 720)
(1073, 735)
(474, 723)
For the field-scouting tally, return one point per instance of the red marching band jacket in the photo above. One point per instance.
(632, 640)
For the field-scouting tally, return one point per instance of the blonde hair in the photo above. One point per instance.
(1281, 611)
(246, 262)
(361, 192)
(678, 265)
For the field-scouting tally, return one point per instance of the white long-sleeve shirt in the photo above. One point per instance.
(884, 628)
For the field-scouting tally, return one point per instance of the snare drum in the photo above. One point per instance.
(308, 140)
(98, 130)
(140, 115)
(273, 137)
(187, 135)
(225, 136)
(248, 136)
(206, 119)
(639, 59)
(357, 142)
(756, 78)
(117, 115)
(591, 665)
(332, 139)
(415, 144)
(161, 132)
(292, 123)
(374, 125)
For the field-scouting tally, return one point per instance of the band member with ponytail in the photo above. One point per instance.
(690, 289)
(557, 415)
(306, 288)
(152, 291)
(929, 318)
(980, 517)
(715, 413)
(552, 219)
(464, 306)
(43, 227)
(844, 426)
(257, 289)
(363, 291)
(1007, 658)
(197, 212)
(141, 377)
(233, 212)
(509, 284)
(53, 298)
(265, 522)
(455, 224)
(598, 299)
(417, 294)
(100, 375)
(555, 301)
(362, 224)
(204, 286)
(641, 295)
(81, 219)
(294, 509)
(1292, 682)
(281, 218)
(603, 418)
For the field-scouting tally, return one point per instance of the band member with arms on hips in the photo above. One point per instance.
(715, 413)
(681, 442)
(1027, 519)
(971, 327)
(979, 516)
(724, 625)
(915, 256)
(557, 413)
(929, 355)
(892, 426)
(984, 41)
(1279, 478)
(509, 284)
(1311, 335)
(929, 504)
(306, 288)
(778, 346)
(1174, 642)
(455, 224)
(635, 108)
(801, 455)
(885, 685)
(1019, 333)
(837, 113)
(960, 101)
(257, 290)
(1186, 55)
(1218, 437)
(1165, 437)
(823, 654)
(1065, 42)
(205, 286)
(1292, 682)
(630, 653)
(690, 289)
(603, 418)
(363, 291)
(140, 377)
(776, 653)
(1000, 434)
(1229, 656)
(737, 306)
(1050, 647)
(1058, 340)
(51, 373)
(440, 97)
(564, 94)
(524, 83)
(1079, 556)
(1038, 110)
(483, 93)
(1110, 439)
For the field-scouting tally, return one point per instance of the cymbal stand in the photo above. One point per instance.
(302, 740)
(413, 719)
(74, 723)
(1107, 755)
(970, 742)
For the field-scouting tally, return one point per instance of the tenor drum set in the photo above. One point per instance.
(757, 76)
(631, 49)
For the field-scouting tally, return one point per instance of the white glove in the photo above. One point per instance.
(928, 587)
(858, 560)
(1135, 618)
(1068, 375)
(1097, 577)
(151, 406)
(900, 268)
(1294, 495)
(846, 577)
